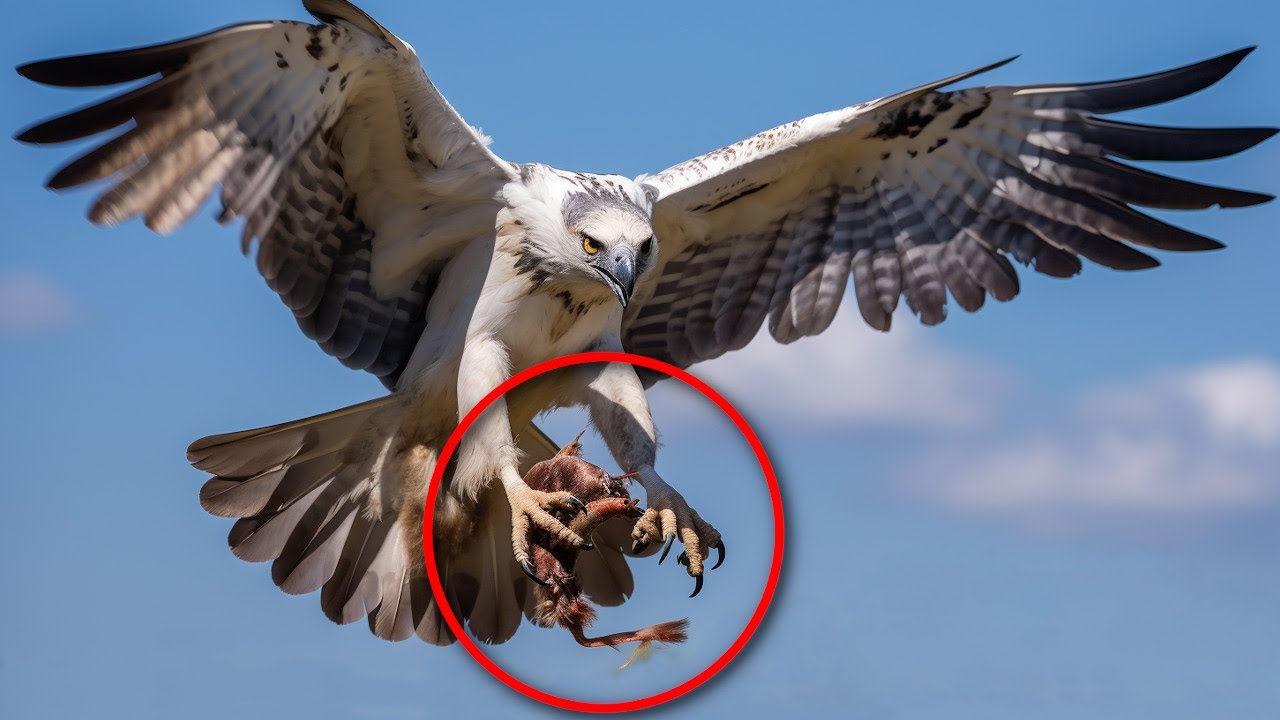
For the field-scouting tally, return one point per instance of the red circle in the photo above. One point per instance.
(433, 574)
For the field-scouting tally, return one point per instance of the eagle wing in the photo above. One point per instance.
(356, 176)
(923, 194)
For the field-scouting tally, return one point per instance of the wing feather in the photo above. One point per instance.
(346, 163)
(921, 195)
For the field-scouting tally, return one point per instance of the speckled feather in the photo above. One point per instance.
(924, 194)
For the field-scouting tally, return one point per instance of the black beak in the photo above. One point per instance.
(619, 273)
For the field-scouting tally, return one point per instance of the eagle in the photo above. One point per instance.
(405, 247)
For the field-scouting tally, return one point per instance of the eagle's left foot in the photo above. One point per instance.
(670, 517)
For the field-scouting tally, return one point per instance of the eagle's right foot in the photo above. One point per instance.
(531, 507)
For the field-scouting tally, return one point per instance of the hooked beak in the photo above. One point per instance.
(619, 273)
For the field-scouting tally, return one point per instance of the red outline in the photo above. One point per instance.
(433, 574)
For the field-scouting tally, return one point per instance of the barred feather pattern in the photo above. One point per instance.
(320, 499)
(315, 509)
(299, 125)
(316, 252)
(924, 195)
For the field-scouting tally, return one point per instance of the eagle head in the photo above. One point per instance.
(611, 239)
(592, 233)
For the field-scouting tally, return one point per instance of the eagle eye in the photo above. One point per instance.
(590, 245)
(646, 246)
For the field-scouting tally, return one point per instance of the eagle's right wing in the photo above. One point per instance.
(353, 172)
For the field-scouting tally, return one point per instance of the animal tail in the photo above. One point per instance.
(667, 633)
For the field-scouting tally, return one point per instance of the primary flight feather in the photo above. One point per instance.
(405, 247)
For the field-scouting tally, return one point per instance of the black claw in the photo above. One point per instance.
(683, 559)
(719, 546)
(671, 538)
(527, 567)
(577, 503)
(638, 547)
(584, 545)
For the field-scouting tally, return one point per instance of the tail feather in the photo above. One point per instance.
(240, 497)
(431, 627)
(301, 478)
(604, 573)
(392, 618)
(461, 591)
(317, 497)
(320, 498)
(249, 452)
(500, 585)
(262, 538)
(352, 583)
(311, 554)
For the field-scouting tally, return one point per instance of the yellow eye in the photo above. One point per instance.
(591, 245)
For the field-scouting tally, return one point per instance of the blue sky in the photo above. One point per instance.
(1061, 507)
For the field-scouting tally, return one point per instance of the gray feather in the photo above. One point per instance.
(937, 191)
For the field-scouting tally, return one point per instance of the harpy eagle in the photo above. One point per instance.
(405, 247)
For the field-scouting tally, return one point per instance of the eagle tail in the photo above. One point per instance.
(309, 495)
(321, 499)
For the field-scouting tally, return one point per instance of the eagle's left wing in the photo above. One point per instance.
(923, 194)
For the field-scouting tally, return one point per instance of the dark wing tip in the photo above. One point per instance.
(329, 11)
(119, 66)
(971, 73)
(1240, 54)
(1226, 62)
(45, 72)
(1251, 136)
(90, 70)
(1199, 75)
(1219, 65)
(1251, 199)
(30, 71)
(1261, 134)
(1128, 260)
(27, 135)
(1145, 90)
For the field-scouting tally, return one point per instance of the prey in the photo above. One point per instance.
(552, 559)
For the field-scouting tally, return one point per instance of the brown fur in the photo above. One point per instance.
(561, 601)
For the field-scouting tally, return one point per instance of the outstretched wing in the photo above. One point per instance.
(922, 194)
(355, 175)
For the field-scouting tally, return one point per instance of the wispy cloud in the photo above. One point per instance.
(1200, 441)
(860, 377)
(31, 303)
(1193, 442)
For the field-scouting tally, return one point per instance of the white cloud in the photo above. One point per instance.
(1200, 441)
(854, 376)
(1241, 401)
(30, 303)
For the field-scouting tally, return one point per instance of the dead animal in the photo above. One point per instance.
(552, 560)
